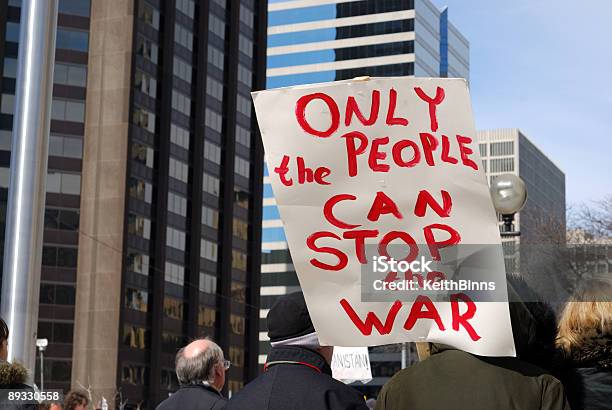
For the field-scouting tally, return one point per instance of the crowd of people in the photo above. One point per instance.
(560, 364)
(564, 366)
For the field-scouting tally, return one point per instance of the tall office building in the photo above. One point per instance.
(61, 238)
(506, 151)
(316, 41)
(160, 241)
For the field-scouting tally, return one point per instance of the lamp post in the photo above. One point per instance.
(42, 345)
(509, 195)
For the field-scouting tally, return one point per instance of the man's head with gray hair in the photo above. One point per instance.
(201, 361)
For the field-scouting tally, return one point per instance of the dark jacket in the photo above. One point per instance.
(13, 377)
(453, 379)
(587, 375)
(296, 378)
(192, 397)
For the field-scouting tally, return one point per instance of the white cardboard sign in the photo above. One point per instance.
(351, 163)
(351, 364)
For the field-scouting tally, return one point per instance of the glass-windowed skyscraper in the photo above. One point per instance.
(152, 229)
(317, 41)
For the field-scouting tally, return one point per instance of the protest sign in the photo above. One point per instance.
(380, 162)
(351, 364)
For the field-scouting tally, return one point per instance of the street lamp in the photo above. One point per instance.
(509, 194)
(42, 345)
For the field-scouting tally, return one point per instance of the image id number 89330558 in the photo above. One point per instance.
(13, 397)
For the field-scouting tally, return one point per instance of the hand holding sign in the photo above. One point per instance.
(381, 162)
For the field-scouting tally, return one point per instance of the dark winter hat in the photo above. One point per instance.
(288, 319)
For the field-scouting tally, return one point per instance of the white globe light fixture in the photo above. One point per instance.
(509, 195)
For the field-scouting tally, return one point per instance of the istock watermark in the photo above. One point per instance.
(386, 264)
(407, 272)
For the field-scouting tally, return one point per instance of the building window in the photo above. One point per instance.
(68, 147)
(9, 70)
(174, 308)
(148, 14)
(62, 219)
(5, 140)
(138, 262)
(63, 183)
(241, 197)
(214, 88)
(179, 170)
(216, 57)
(239, 260)
(55, 294)
(56, 332)
(240, 229)
(147, 49)
(242, 166)
(181, 103)
(208, 283)
(145, 83)
(182, 69)
(144, 119)
(183, 36)
(213, 120)
(210, 184)
(206, 316)
(236, 355)
(502, 148)
(67, 110)
(175, 273)
(483, 149)
(245, 76)
(136, 299)
(59, 256)
(179, 136)
(187, 7)
(141, 190)
(502, 164)
(74, 7)
(246, 16)
(208, 250)
(139, 225)
(7, 105)
(177, 204)
(210, 217)
(169, 381)
(216, 25)
(12, 32)
(243, 136)
(143, 154)
(238, 291)
(71, 39)
(237, 324)
(245, 45)
(134, 374)
(70, 74)
(136, 337)
(212, 152)
(172, 342)
(175, 238)
(244, 105)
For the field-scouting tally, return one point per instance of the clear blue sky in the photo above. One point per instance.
(545, 66)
